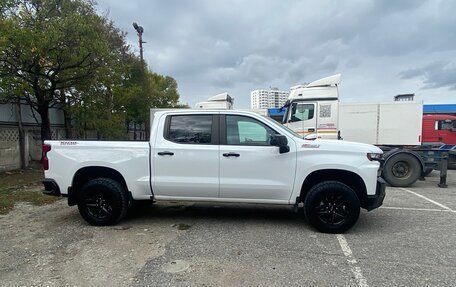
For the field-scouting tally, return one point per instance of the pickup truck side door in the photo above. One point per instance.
(186, 156)
(250, 168)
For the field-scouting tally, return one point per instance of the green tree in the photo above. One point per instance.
(148, 90)
(164, 92)
(60, 53)
(102, 106)
(48, 47)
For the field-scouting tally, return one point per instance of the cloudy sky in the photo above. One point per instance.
(381, 48)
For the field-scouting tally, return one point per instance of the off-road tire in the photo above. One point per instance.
(102, 201)
(331, 207)
(402, 170)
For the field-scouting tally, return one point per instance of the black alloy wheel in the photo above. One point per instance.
(99, 205)
(331, 207)
(103, 201)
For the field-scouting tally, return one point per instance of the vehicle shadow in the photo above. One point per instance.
(209, 211)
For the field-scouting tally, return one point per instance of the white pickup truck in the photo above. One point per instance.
(217, 156)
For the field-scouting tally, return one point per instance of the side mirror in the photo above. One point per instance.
(281, 141)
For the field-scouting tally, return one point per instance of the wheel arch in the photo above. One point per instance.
(349, 178)
(85, 174)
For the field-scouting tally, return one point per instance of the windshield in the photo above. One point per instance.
(274, 123)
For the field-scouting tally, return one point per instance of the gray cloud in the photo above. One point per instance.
(440, 74)
(211, 46)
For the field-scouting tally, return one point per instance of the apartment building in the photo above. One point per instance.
(264, 99)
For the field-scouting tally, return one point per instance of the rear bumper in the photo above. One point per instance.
(375, 201)
(51, 187)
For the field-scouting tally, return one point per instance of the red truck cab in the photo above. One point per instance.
(439, 128)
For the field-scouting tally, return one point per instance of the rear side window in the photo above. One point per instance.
(189, 129)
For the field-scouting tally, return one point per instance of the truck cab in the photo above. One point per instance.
(312, 109)
(439, 129)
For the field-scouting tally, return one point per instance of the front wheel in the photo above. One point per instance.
(331, 207)
(102, 201)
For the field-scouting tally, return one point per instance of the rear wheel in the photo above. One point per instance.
(331, 207)
(402, 170)
(102, 201)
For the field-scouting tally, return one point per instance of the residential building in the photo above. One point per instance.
(264, 99)
(404, 97)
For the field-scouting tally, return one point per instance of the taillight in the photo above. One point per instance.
(45, 160)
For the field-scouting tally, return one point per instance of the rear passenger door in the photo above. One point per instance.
(186, 157)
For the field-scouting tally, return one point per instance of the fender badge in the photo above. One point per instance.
(310, 146)
(68, 143)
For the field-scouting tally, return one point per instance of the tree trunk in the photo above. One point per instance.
(21, 134)
(68, 126)
(43, 110)
(67, 116)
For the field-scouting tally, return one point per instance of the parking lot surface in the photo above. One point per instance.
(407, 242)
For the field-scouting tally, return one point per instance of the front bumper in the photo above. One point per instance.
(375, 201)
(51, 187)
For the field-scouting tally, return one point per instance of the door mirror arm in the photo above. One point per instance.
(284, 149)
(281, 141)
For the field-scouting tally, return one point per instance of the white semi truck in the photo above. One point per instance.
(314, 111)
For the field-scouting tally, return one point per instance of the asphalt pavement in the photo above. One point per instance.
(410, 241)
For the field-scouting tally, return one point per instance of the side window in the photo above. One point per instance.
(444, 125)
(189, 129)
(301, 112)
(247, 131)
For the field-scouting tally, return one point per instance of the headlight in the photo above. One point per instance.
(374, 156)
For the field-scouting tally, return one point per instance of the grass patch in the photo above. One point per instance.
(9, 197)
(20, 177)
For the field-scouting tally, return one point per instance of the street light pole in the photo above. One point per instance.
(140, 31)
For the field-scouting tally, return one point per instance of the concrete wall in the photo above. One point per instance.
(9, 145)
(9, 134)
(9, 150)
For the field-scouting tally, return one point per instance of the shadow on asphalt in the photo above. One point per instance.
(369, 222)
(227, 212)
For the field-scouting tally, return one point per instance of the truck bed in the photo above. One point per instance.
(131, 158)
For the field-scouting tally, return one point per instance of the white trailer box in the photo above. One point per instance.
(395, 123)
(221, 101)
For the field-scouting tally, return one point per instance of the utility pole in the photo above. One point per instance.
(140, 31)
